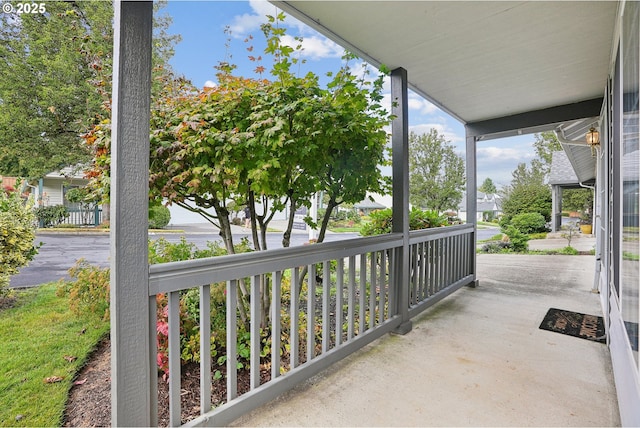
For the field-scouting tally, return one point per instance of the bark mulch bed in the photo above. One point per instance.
(89, 403)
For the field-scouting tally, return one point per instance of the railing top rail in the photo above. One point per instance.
(424, 235)
(175, 276)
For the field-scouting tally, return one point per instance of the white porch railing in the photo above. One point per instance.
(354, 300)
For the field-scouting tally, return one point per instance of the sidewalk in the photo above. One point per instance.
(206, 228)
(555, 241)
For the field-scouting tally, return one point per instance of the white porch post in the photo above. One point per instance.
(556, 208)
(472, 191)
(400, 170)
(131, 380)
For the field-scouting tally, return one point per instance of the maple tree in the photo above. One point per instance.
(268, 144)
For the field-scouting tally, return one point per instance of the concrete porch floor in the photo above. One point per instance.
(477, 358)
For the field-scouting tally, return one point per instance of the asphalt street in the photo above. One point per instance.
(60, 251)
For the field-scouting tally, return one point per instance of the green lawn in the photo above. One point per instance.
(36, 336)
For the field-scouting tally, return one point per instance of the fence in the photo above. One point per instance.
(84, 216)
(316, 305)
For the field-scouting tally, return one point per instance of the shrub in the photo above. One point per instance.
(419, 219)
(17, 232)
(353, 216)
(517, 239)
(529, 222)
(381, 221)
(569, 250)
(496, 247)
(88, 292)
(52, 215)
(159, 216)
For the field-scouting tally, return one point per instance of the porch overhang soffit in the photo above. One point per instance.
(501, 68)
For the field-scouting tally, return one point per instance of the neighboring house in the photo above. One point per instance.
(488, 206)
(51, 190)
(563, 176)
(8, 183)
(53, 187)
(367, 206)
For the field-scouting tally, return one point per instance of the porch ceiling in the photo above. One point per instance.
(478, 60)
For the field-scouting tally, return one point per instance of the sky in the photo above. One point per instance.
(202, 24)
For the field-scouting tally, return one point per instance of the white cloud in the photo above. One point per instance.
(421, 105)
(442, 129)
(210, 84)
(244, 24)
(504, 154)
(315, 47)
(498, 163)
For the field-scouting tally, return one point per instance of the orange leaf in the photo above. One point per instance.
(70, 358)
(53, 379)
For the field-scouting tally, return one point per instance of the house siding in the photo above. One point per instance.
(52, 189)
(618, 276)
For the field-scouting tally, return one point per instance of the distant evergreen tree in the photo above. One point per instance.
(487, 186)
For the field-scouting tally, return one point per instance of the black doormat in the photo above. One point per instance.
(588, 327)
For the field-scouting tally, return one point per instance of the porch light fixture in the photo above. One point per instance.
(593, 140)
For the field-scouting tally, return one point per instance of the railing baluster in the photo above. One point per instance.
(424, 263)
(174, 358)
(339, 303)
(352, 297)
(255, 332)
(205, 349)
(413, 298)
(362, 311)
(373, 292)
(383, 285)
(468, 253)
(453, 256)
(232, 340)
(445, 259)
(326, 295)
(458, 253)
(153, 354)
(276, 304)
(417, 271)
(295, 318)
(432, 267)
(445, 262)
(311, 304)
(421, 289)
(440, 265)
(392, 285)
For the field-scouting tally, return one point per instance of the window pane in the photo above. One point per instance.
(630, 277)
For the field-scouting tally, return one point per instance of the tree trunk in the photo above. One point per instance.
(325, 220)
(254, 229)
(323, 229)
(227, 238)
(286, 237)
